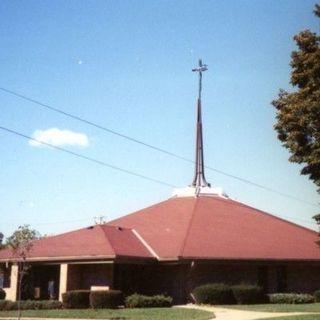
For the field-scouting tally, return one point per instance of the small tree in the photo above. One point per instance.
(20, 243)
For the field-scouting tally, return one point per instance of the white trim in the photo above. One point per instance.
(153, 253)
(199, 192)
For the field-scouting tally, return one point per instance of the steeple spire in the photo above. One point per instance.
(199, 179)
(199, 186)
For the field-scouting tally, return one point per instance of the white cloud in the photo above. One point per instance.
(59, 137)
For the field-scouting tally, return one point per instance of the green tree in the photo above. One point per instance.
(298, 112)
(21, 242)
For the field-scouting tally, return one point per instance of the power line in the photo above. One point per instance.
(88, 122)
(102, 163)
(106, 165)
(150, 146)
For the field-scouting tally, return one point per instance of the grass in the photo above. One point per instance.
(122, 314)
(311, 307)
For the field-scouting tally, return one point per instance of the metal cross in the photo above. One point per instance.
(200, 69)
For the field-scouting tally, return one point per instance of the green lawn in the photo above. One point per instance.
(312, 307)
(132, 314)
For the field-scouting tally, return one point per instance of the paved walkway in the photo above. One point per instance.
(232, 314)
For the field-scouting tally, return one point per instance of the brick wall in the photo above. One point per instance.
(303, 278)
(83, 276)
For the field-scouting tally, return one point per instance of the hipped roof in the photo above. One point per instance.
(184, 228)
(94, 242)
(219, 228)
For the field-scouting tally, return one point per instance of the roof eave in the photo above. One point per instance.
(248, 259)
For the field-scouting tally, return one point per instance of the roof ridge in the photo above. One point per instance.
(145, 243)
(106, 237)
(64, 233)
(189, 227)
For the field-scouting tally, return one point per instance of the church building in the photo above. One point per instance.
(197, 236)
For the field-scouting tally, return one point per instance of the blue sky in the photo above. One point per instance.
(126, 65)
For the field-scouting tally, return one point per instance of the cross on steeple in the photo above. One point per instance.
(199, 179)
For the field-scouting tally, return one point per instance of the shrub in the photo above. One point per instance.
(42, 304)
(141, 301)
(2, 304)
(2, 294)
(317, 296)
(76, 299)
(7, 305)
(30, 305)
(291, 298)
(50, 304)
(106, 299)
(214, 293)
(248, 294)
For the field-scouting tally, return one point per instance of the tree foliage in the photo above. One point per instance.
(21, 241)
(298, 112)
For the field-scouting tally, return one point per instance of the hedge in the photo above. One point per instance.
(317, 296)
(106, 299)
(248, 294)
(2, 294)
(76, 299)
(214, 293)
(291, 298)
(142, 301)
(6, 305)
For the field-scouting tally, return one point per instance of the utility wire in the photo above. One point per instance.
(172, 154)
(102, 163)
(105, 165)
(67, 114)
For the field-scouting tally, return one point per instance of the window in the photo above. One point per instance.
(5, 276)
(263, 278)
(281, 279)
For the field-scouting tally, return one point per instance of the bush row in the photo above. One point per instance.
(141, 301)
(291, 298)
(220, 293)
(78, 299)
(82, 299)
(6, 305)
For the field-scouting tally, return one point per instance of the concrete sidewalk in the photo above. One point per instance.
(233, 314)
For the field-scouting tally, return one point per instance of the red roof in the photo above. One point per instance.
(185, 228)
(218, 228)
(95, 242)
